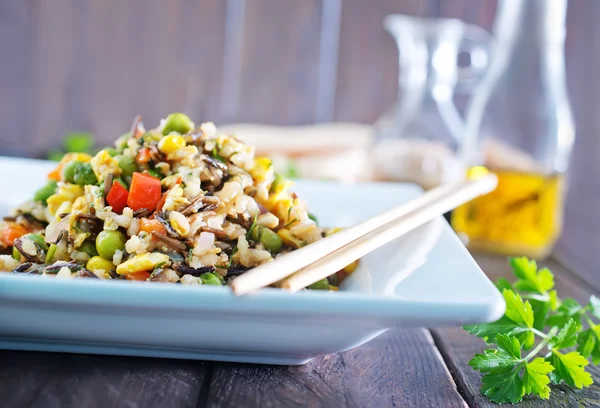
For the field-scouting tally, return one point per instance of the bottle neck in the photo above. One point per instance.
(532, 21)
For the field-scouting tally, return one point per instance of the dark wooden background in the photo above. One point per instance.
(94, 64)
(91, 65)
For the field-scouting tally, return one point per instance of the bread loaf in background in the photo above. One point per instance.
(336, 151)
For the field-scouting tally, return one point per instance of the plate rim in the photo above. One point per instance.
(343, 303)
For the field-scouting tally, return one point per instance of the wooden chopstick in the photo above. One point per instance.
(287, 265)
(381, 236)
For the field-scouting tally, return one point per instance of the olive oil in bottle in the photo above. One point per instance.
(519, 126)
(523, 216)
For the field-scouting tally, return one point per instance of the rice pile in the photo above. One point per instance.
(179, 203)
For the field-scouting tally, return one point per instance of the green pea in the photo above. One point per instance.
(270, 240)
(38, 239)
(89, 248)
(149, 137)
(255, 232)
(112, 151)
(84, 175)
(43, 193)
(177, 122)
(323, 284)
(127, 165)
(68, 172)
(210, 279)
(50, 254)
(108, 242)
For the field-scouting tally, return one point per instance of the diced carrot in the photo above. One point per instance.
(144, 192)
(143, 156)
(117, 197)
(11, 232)
(137, 276)
(147, 225)
(161, 202)
(56, 173)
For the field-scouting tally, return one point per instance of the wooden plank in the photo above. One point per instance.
(279, 62)
(49, 380)
(93, 65)
(458, 347)
(17, 105)
(399, 368)
(580, 241)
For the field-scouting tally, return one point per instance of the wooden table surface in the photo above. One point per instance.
(404, 368)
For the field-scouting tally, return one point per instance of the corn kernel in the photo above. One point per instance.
(97, 263)
(263, 162)
(80, 157)
(290, 240)
(143, 262)
(171, 143)
(261, 168)
(351, 268)
(333, 231)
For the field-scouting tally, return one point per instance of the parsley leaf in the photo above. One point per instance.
(507, 355)
(568, 309)
(522, 314)
(540, 312)
(215, 154)
(503, 283)
(492, 359)
(488, 331)
(570, 368)
(533, 309)
(530, 280)
(503, 385)
(594, 306)
(78, 142)
(586, 342)
(517, 321)
(596, 351)
(252, 226)
(516, 310)
(553, 299)
(509, 345)
(535, 377)
(566, 337)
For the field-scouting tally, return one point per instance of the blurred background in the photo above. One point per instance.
(92, 65)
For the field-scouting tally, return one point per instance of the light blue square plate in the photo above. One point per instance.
(424, 279)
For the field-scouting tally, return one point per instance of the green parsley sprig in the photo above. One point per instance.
(75, 142)
(541, 339)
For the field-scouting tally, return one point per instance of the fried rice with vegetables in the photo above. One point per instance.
(179, 203)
